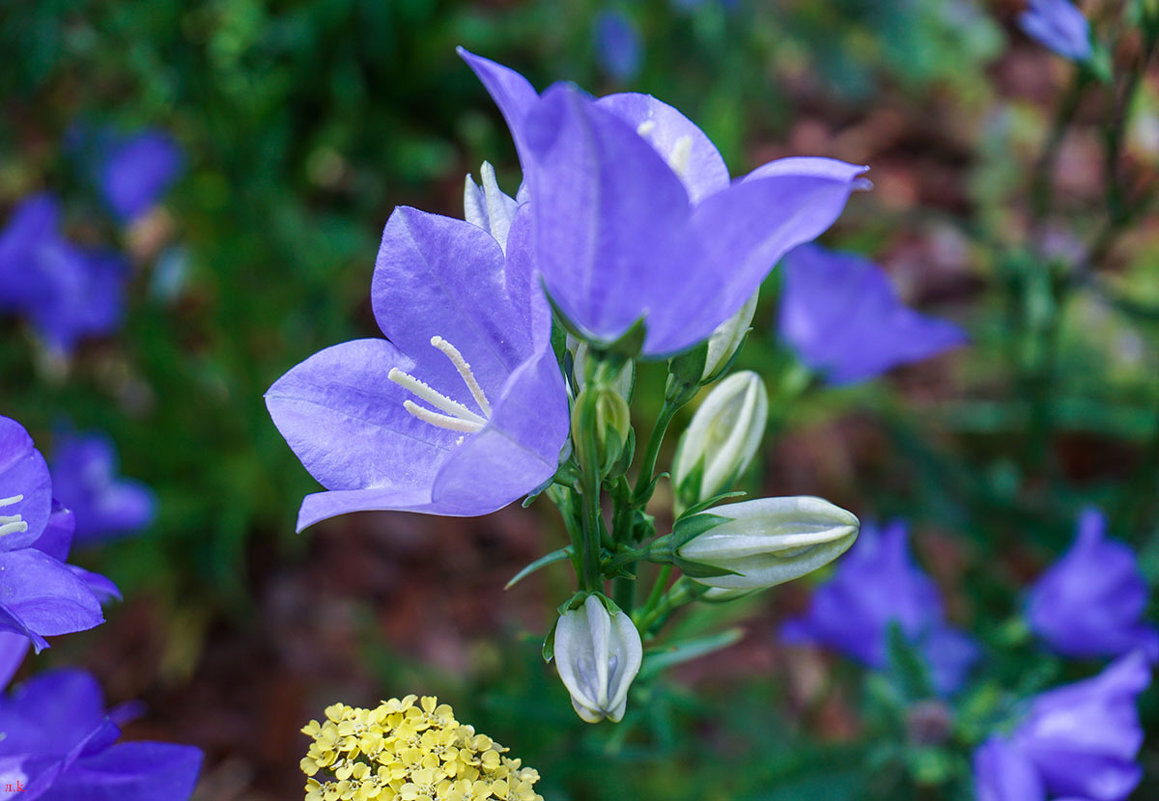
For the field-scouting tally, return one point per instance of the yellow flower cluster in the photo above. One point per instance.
(410, 752)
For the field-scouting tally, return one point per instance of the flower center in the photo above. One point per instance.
(451, 414)
(12, 524)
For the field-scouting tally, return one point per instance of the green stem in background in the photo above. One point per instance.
(648, 467)
(1042, 184)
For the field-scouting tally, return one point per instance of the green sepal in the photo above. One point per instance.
(543, 561)
(621, 465)
(664, 658)
(687, 368)
(727, 366)
(690, 527)
(549, 643)
(711, 502)
(701, 570)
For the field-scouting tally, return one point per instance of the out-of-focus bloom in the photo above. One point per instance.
(844, 319)
(770, 541)
(619, 50)
(136, 172)
(1059, 25)
(411, 751)
(635, 217)
(877, 584)
(40, 596)
(598, 655)
(1083, 738)
(462, 411)
(720, 442)
(60, 744)
(1003, 773)
(1091, 602)
(84, 478)
(65, 291)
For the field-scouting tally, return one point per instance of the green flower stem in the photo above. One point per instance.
(683, 592)
(648, 467)
(564, 499)
(592, 577)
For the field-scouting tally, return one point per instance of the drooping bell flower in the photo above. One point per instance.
(461, 410)
(844, 319)
(1091, 602)
(634, 216)
(1059, 25)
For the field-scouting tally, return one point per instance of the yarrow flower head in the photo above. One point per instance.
(1091, 602)
(1059, 25)
(84, 478)
(874, 586)
(844, 319)
(462, 411)
(634, 216)
(409, 749)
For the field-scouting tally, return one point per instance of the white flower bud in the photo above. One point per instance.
(722, 439)
(597, 655)
(727, 338)
(770, 541)
(487, 206)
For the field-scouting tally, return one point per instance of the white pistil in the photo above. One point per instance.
(452, 415)
(12, 524)
(464, 369)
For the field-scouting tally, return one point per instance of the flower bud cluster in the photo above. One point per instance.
(408, 751)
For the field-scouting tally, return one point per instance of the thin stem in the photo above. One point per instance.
(658, 588)
(655, 440)
(1043, 182)
(590, 498)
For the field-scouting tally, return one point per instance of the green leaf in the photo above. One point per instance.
(676, 654)
(543, 561)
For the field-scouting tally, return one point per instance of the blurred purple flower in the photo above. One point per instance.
(635, 217)
(59, 743)
(40, 596)
(84, 478)
(65, 291)
(136, 172)
(619, 50)
(1003, 773)
(844, 319)
(877, 584)
(1091, 601)
(390, 424)
(1083, 738)
(1059, 25)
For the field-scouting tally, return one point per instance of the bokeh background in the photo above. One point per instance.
(303, 123)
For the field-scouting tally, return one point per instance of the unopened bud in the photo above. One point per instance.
(487, 206)
(726, 340)
(769, 541)
(598, 655)
(722, 439)
(623, 383)
(600, 416)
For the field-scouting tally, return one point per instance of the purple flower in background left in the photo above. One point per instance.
(877, 584)
(1059, 25)
(1091, 602)
(844, 318)
(60, 743)
(84, 478)
(619, 50)
(137, 171)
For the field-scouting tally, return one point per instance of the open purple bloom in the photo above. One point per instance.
(844, 319)
(137, 171)
(876, 584)
(1083, 738)
(60, 744)
(66, 292)
(1059, 25)
(1003, 773)
(1091, 601)
(618, 47)
(634, 215)
(461, 410)
(40, 596)
(84, 478)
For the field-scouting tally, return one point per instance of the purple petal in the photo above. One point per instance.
(1003, 773)
(324, 505)
(1058, 25)
(33, 223)
(23, 475)
(512, 93)
(950, 654)
(13, 649)
(51, 713)
(100, 586)
(132, 772)
(619, 50)
(139, 171)
(41, 597)
(56, 540)
(84, 478)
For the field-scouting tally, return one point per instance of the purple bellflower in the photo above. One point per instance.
(634, 217)
(1091, 601)
(1059, 25)
(65, 291)
(461, 410)
(1002, 772)
(877, 584)
(844, 319)
(40, 595)
(136, 172)
(84, 478)
(618, 47)
(60, 744)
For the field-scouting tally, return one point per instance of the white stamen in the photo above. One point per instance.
(442, 420)
(464, 369)
(681, 153)
(646, 127)
(12, 524)
(431, 396)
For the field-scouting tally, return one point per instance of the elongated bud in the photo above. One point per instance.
(720, 442)
(727, 339)
(625, 381)
(768, 541)
(487, 206)
(598, 655)
(600, 416)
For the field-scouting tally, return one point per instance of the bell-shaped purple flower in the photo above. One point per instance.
(1003, 773)
(84, 478)
(1091, 601)
(844, 319)
(40, 596)
(136, 172)
(635, 218)
(876, 584)
(60, 744)
(1059, 25)
(1083, 738)
(461, 410)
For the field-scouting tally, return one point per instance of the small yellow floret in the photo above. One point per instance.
(408, 749)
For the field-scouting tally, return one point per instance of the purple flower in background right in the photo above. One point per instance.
(137, 171)
(1059, 25)
(844, 319)
(619, 50)
(1003, 773)
(1091, 601)
(84, 478)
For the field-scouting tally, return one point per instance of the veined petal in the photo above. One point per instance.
(13, 648)
(44, 597)
(132, 772)
(51, 713)
(23, 475)
(512, 93)
(324, 505)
